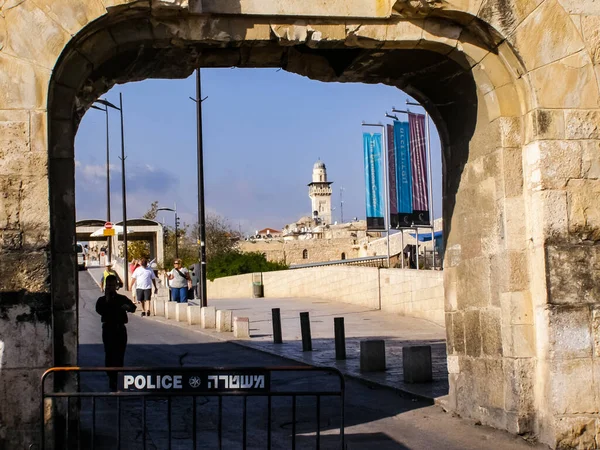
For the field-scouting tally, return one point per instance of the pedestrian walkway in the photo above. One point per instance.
(376, 417)
(360, 324)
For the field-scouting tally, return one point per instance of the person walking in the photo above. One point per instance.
(143, 277)
(192, 292)
(110, 271)
(132, 266)
(178, 281)
(113, 309)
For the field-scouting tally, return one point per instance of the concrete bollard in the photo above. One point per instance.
(208, 317)
(305, 330)
(158, 307)
(276, 319)
(416, 364)
(340, 338)
(193, 315)
(372, 355)
(224, 320)
(181, 313)
(241, 327)
(170, 308)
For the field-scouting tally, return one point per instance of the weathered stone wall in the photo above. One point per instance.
(513, 87)
(291, 252)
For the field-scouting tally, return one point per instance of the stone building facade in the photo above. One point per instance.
(304, 251)
(513, 87)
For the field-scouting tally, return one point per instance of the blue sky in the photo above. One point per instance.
(263, 131)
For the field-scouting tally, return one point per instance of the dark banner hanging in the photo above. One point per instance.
(373, 157)
(420, 195)
(403, 174)
(392, 191)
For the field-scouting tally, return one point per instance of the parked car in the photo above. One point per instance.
(81, 257)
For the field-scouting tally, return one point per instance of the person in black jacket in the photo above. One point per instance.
(113, 309)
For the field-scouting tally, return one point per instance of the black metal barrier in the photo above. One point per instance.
(134, 415)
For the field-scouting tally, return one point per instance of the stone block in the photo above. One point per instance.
(571, 386)
(416, 364)
(208, 317)
(224, 320)
(194, 315)
(241, 327)
(158, 307)
(584, 216)
(372, 355)
(491, 332)
(546, 35)
(170, 310)
(569, 330)
(472, 333)
(181, 312)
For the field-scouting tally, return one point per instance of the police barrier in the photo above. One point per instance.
(100, 425)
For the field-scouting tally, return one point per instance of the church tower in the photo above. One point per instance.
(319, 192)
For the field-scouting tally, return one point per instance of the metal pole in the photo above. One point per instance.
(201, 209)
(342, 203)
(402, 245)
(417, 246)
(276, 318)
(305, 331)
(340, 338)
(110, 243)
(430, 186)
(124, 223)
(176, 233)
(386, 219)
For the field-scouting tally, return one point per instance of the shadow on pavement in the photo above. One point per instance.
(219, 354)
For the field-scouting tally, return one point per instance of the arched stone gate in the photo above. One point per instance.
(513, 87)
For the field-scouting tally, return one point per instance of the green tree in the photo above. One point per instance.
(141, 249)
(236, 263)
(152, 212)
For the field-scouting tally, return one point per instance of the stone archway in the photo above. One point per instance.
(521, 157)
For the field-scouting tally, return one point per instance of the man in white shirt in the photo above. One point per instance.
(144, 278)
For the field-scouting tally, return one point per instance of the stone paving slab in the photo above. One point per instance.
(360, 323)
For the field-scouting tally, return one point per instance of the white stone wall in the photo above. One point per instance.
(238, 286)
(356, 285)
(407, 292)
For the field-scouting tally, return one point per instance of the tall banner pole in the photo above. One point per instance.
(402, 245)
(430, 187)
(374, 179)
(386, 191)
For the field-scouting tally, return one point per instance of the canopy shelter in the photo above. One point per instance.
(425, 237)
(92, 230)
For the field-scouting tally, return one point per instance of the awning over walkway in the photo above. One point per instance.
(425, 237)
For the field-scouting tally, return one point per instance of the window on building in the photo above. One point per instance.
(304, 254)
(343, 256)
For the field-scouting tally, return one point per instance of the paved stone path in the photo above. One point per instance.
(360, 324)
(376, 417)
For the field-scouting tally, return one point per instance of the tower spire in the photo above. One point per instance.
(319, 191)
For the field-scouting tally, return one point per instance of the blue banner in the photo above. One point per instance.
(374, 181)
(404, 182)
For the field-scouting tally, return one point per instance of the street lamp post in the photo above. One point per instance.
(119, 108)
(105, 109)
(201, 213)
